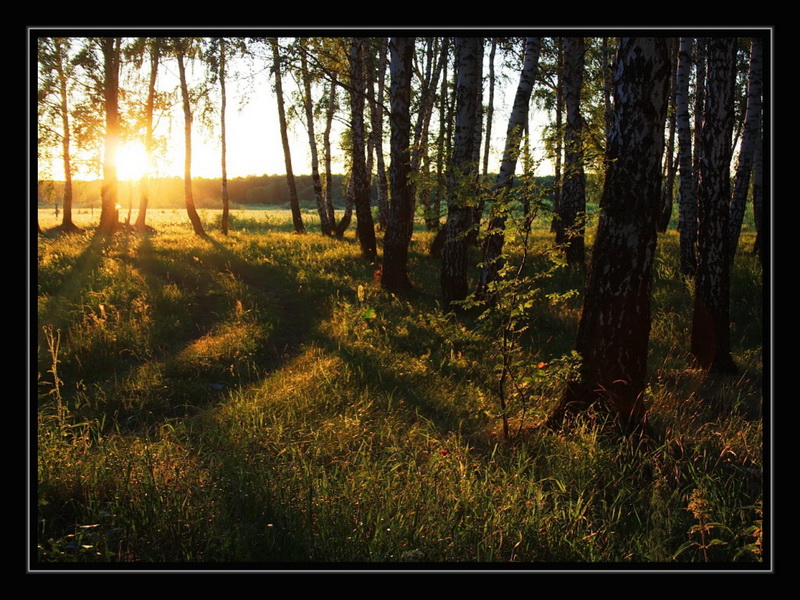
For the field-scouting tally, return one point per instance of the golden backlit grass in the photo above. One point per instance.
(258, 399)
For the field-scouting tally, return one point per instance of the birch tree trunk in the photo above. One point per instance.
(752, 129)
(294, 201)
(326, 225)
(66, 220)
(194, 218)
(326, 147)
(223, 139)
(762, 230)
(376, 133)
(614, 328)
(711, 344)
(572, 202)
(109, 213)
(365, 227)
(687, 198)
(493, 244)
(144, 196)
(463, 172)
(394, 275)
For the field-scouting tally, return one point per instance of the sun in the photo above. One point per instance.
(131, 161)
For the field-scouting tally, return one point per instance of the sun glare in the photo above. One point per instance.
(131, 161)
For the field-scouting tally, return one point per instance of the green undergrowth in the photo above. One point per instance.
(257, 399)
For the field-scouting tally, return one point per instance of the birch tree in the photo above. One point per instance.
(463, 172)
(109, 213)
(750, 137)
(687, 197)
(56, 72)
(365, 227)
(153, 51)
(711, 319)
(572, 201)
(277, 72)
(493, 244)
(614, 328)
(394, 276)
(182, 47)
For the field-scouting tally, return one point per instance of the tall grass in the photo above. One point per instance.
(257, 399)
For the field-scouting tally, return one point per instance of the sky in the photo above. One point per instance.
(253, 134)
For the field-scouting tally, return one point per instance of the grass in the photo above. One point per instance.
(256, 399)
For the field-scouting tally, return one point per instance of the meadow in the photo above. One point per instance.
(257, 400)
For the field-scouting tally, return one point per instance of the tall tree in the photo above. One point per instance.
(326, 224)
(669, 161)
(154, 53)
(711, 344)
(376, 88)
(463, 171)
(614, 328)
(493, 244)
(56, 72)
(752, 129)
(394, 275)
(109, 212)
(223, 56)
(277, 72)
(687, 198)
(365, 227)
(572, 201)
(182, 47)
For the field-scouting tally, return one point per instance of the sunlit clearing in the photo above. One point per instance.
(131, 161)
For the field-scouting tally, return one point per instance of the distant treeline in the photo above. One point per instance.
(168, 192)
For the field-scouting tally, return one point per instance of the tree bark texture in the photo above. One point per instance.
(687, 187)
(463, 172)
(223, 139)
(614, 329)
(711, 322)
(750, 137)
(109, 216)
(194, 218)
(365, 227)
(572, 202)
(294, 202)
(400, 220)
(493, 244)
(144, 197)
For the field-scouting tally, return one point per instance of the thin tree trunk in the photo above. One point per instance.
(294, 201)
(394, 276)
(376, 120)
(711, 345)
(489, 111)
(614, 329)
(752, 127)
(326, 146)
(187, 163)
(572, 203)
(517, 122)
(365, 228)
(144, 195)
(109, 213)
(463, 174)
(669, 162)
(762, 229)
(326, 224)
(66, 221)
(557, 167)
(687, 198)
(223, 142)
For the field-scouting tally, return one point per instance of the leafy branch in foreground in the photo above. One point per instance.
(506, 304)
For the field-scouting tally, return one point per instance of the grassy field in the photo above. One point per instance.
(257, 400)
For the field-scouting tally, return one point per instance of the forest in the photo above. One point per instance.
(503, 306)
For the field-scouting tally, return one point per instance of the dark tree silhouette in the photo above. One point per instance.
(614, 329)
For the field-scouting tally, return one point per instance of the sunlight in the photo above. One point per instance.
(131, 161)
